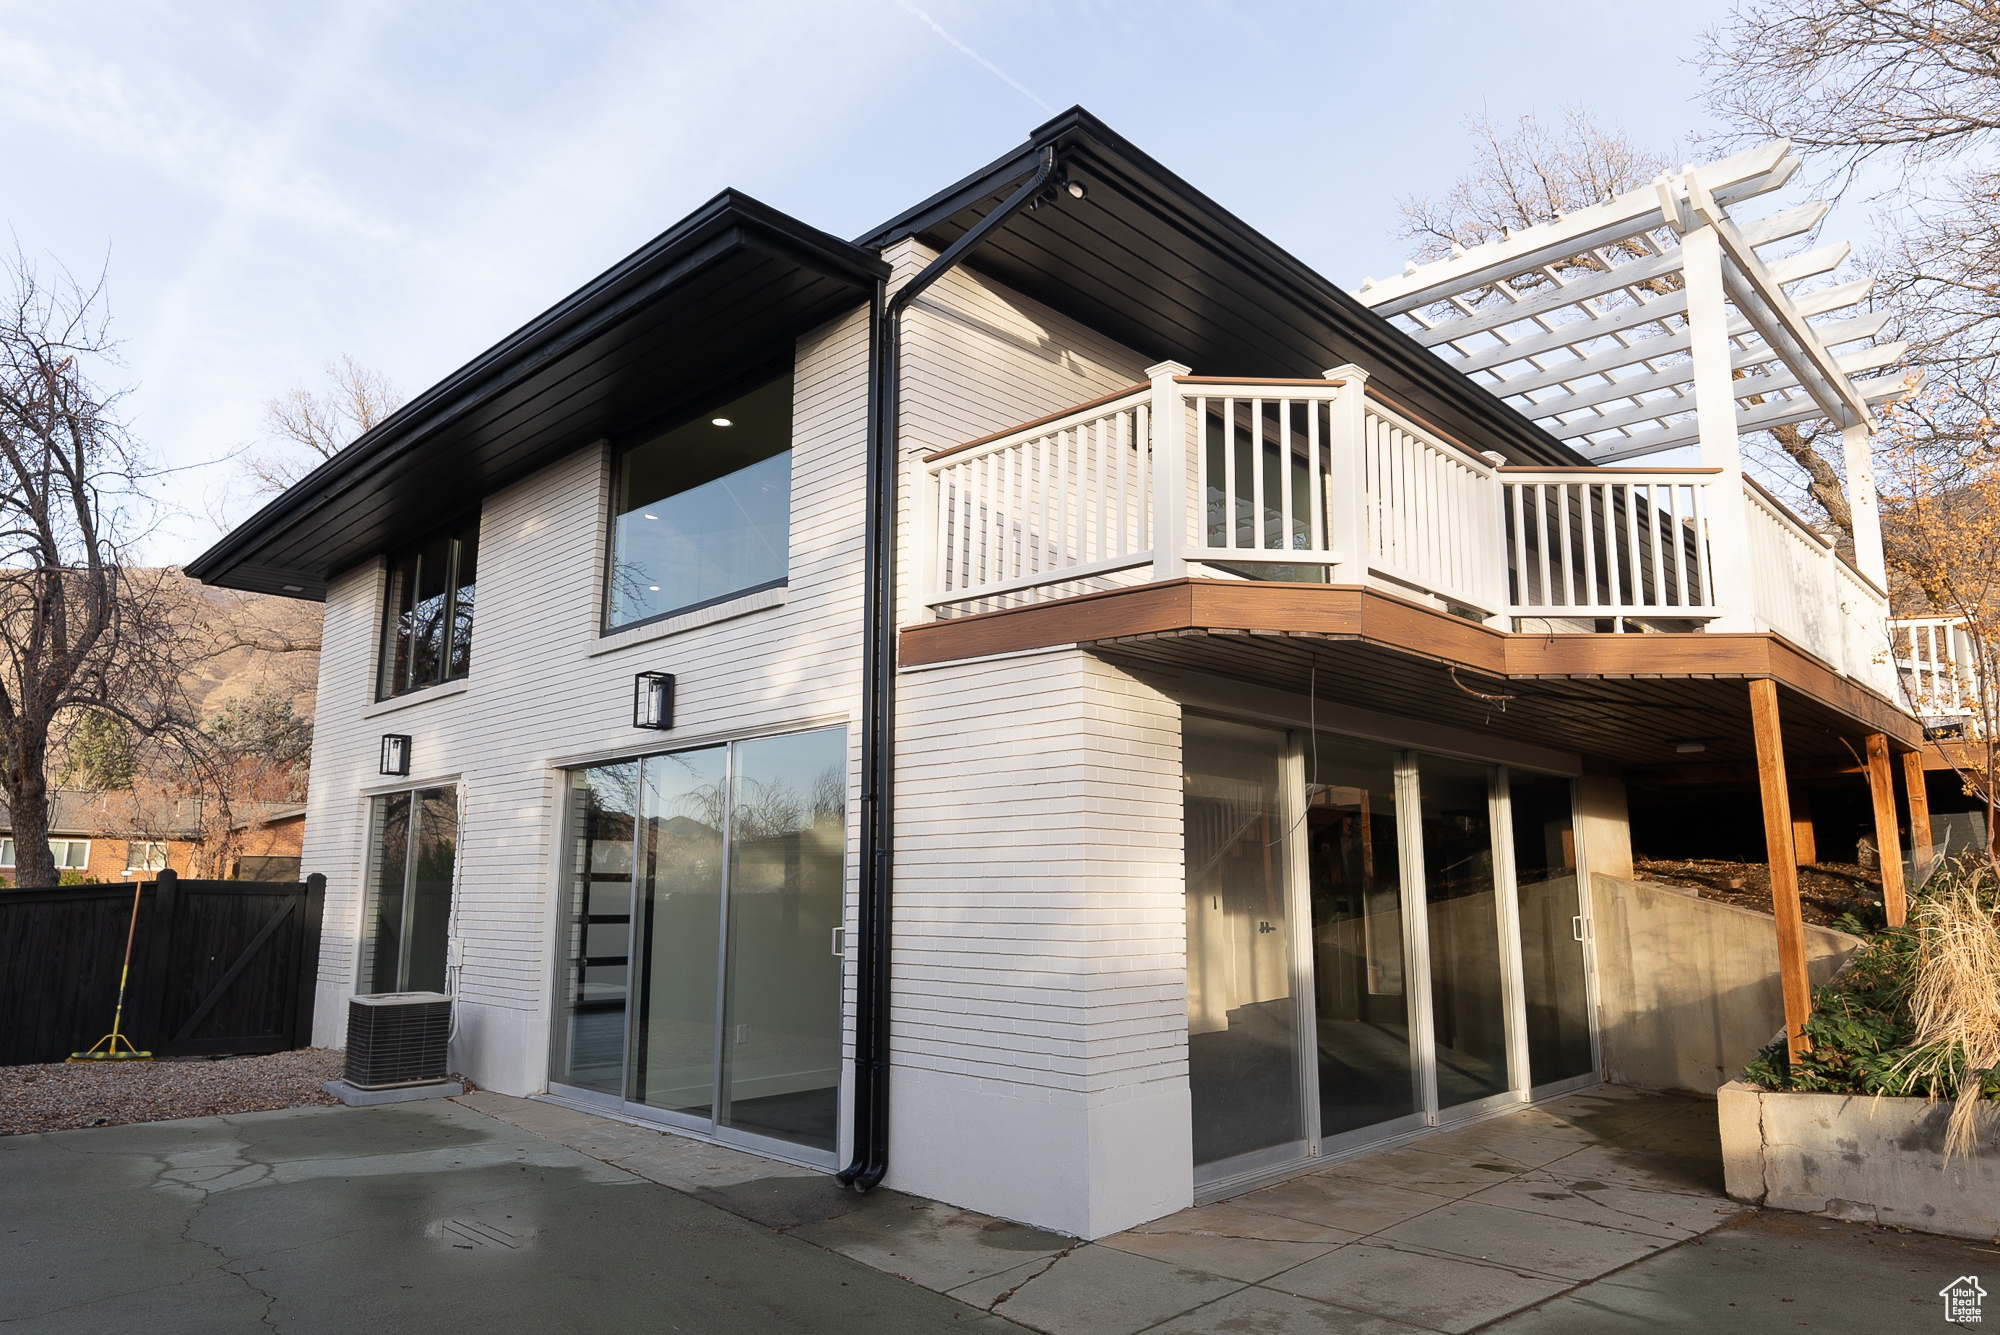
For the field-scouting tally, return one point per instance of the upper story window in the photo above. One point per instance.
(703, 513)
(428, 633)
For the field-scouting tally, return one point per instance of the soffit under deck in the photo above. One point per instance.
(1620, 699)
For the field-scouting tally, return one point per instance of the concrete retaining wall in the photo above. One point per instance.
(1860, 1158)
(1688, 988)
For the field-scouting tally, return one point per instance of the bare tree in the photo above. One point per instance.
(1915, 88)
(311, 427)
(1534, 174)
(82, 634)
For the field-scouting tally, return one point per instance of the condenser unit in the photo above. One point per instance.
(397, 1039)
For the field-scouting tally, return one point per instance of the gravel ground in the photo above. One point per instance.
(60, 1096)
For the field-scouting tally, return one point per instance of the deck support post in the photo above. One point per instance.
(1888, 843)
(1170, 471)
(1922, 852)
(1709, 349)
(1805, 844)
(1783, 859)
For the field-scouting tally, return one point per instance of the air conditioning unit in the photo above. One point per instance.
(397, 1038)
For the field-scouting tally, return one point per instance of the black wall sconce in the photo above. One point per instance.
(395, 753)
(653, 700)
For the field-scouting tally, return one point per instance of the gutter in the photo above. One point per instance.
(878, 706)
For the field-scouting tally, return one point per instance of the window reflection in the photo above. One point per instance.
(428, 638)
(703, 513)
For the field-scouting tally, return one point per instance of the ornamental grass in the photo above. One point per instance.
(1916, 1013)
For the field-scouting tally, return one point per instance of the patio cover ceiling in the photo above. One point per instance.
(1150, 260)
(663, 333)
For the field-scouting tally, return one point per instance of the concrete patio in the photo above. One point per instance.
(1602, 1211)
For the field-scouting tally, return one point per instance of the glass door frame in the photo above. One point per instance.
(623, 1104)
(1225, 1176)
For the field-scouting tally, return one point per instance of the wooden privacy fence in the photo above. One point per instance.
(218, 967)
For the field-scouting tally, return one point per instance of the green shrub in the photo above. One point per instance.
(1863, 1036)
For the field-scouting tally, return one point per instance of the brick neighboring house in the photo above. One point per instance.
(102, 837)
(268, 838)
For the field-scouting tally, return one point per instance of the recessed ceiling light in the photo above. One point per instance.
(293, 588)
(652, 516)
(652, 588)
(721, 421)
(1076, 190)
(1690, 747)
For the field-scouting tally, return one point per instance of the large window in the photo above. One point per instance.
(407, 917)
(701, 965)
(1354, 971)
(428, 635)
(703, 513)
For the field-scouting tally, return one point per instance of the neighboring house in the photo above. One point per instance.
(114, 836)
(268, 838)
(1258, 691)
(109, 837)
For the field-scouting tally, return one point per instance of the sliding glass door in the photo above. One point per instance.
(709, 996)
(1405, 949)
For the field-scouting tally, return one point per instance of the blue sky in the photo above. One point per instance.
(272, 186)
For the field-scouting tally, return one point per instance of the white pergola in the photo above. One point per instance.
(1651, 322)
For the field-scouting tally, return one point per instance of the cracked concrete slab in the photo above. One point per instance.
(403, 1217)
(525, 1215)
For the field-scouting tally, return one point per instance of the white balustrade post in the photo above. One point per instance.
(1715, 416)
(1856, 445)
(1170, 470)
(1347, 471)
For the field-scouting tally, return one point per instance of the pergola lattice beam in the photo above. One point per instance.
(1584, 323)
(1746, 175)
(1757, 417)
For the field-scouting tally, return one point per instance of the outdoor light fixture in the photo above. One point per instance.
(653, 700)
(395, 753)
(1076, 190)
(1690, 747)
(720, 421)
(293, 588)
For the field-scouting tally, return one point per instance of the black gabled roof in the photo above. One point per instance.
(1155, 263)
(661, 333)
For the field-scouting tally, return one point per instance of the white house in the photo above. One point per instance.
(1053, 704)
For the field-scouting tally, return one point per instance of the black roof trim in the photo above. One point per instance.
(777, 276)
(1173, 288)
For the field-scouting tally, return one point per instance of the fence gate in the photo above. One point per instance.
(218, 967)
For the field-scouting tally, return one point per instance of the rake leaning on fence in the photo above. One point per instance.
(218, 968)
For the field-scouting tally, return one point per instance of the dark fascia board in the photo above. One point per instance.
(1108, 157)
(728, 223)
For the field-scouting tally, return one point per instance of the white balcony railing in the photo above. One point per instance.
(1317, 481)
(1609, 543)
(1935, 658)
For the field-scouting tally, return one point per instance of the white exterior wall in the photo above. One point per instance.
(1039, 1022)
(1040, 1029)
(1039, 1033)
(545, 691)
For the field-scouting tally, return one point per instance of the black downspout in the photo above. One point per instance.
(878, 702)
